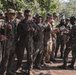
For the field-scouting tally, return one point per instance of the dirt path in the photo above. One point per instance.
(52, 69)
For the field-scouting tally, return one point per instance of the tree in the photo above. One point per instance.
(68, 8)
(37, 6)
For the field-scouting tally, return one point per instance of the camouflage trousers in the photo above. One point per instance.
(0, 52)
(67, 51)
(38, 54)
(53, 48)
(8, 57)
(59, 44)
(20, 47)
(48, 49)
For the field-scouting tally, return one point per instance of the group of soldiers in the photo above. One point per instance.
(41, 39)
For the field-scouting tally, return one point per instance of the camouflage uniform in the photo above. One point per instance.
(71, 46)
(66, 35)
(1, 24)
(54, 37)
(60, 40)
(47, 41)
(9, 48)
(0, 42)
(9, 29)
(25, 40)
(39, 44)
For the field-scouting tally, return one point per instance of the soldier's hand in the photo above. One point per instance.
(56, 30)
(32, 29)
(28, 29)
(65, 29)
(3, 38)
(9, 26)
(41, 31)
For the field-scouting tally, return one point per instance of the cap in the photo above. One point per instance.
(1, 12)
(55, 14)
(12, 11)
(38, 16)
(20, 12)
(49, 15)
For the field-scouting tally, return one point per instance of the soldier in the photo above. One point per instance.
(48, 39)
(19, 16)
(70, 46)
(60, 39)
(53, 41)
(25, 32)
(1, 24)
(38, 42)
(68, 27)
(55, 16)
(9, 45)
(1, 14)
(2, 37)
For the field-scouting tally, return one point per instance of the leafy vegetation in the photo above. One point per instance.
(37, 6)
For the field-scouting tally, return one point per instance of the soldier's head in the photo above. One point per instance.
(62, 21)
(39, 19)
(27, 14)
(34, 19)
(55, 15)
(37, 15)
(20, 15)
(49, 17)
(1, 14)
(67, 20)
(72, 20)
(11, 14)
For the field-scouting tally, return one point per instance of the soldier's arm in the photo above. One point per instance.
(19, 31)
(72, 32)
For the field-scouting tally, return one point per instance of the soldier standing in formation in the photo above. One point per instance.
(60, 39)
(9, 50)
(39, 42)
(48, 38)
(25, 31)
(2, 37)
(70, 46)
(19, 17)
(38, 38)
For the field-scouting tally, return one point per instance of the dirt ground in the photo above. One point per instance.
(50, 68)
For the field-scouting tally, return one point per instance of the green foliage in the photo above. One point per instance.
(68, 8)
(37, 6)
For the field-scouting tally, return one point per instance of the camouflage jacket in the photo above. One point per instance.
(40, 33)
(73, 35)
(22, 27)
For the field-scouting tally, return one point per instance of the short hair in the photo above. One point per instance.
(27, 11)
(72, 18)
(67, 19)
